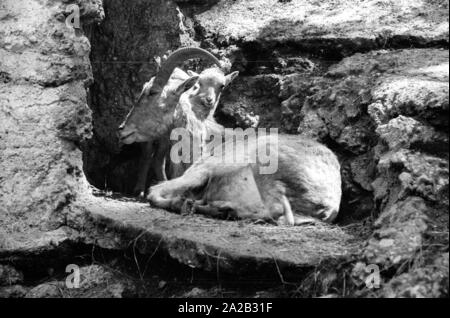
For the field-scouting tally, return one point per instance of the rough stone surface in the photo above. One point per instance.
(197, 241)
(397, 133)
(9, 275)
(44, 68)
(421, 282)
(250, 101)
(95, 282)
(399, 232)
(13, 291)
(335, 28)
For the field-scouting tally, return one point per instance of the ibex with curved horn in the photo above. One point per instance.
(158, 110)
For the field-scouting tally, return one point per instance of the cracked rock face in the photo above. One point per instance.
(44, 69)
(331, 28)
(422, 282)
(346, 109)
(399, 233)
(407, 108)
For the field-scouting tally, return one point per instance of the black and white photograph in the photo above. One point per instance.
(228, 155)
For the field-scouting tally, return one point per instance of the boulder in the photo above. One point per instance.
(421, 282)
(44, 68)
(338, 28)
(204, 243)
(398, 233)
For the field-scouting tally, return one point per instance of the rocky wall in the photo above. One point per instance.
(45, 71)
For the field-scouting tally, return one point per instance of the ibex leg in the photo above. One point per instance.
(145, 161)
(159, 160)
(170, 193)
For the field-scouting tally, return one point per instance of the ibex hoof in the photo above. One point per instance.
(298, 220)
(139, 192)
(283, 221)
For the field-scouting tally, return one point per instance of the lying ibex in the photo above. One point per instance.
(306, 184)
(158, 108)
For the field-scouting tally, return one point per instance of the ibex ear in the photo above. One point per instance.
(230, 77)
(192, 73)
(187, 84)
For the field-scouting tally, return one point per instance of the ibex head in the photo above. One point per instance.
(205, 94)
(152, 114)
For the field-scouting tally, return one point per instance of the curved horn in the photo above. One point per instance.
(178, 56)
